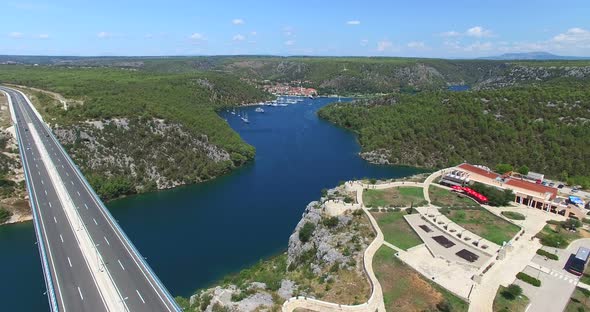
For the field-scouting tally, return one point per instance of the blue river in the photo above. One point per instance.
(194, 235)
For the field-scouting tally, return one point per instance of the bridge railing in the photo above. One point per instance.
(40, 241)
(106, 211)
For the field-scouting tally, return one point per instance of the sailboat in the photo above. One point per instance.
(245, 118)
(233, 112)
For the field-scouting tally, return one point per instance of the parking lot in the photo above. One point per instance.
(554, 293)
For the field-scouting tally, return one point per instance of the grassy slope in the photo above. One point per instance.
(501, 304)
(406, 290)
(396, 197)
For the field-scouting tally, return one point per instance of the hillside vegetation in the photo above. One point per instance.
(546, 128)
(133, 131)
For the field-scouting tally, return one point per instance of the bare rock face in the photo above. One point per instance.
(287, 289)
(519, 74)
(149, 150)
(334, 246)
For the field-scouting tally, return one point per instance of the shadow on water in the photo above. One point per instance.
(194, 235)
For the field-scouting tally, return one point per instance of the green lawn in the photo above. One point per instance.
(445, 198)
(396, 230)
(394, 197)
(483, 223)
(406, 290)
(502, 304)
(578, 301)
(556, 236)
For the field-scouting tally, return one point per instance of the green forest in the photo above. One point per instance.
(189, 100)
(546, 127)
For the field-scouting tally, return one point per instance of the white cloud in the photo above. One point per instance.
(290, 42)
(237, 21)
(573, 36)
(253, 33)
(353, 22)
(451, 33)
(103, 34)
(384, 45)
(478, 32)
(364, 42)
(43, 36)
(475, 31)
(479, 46)
(197, 36)
(419, 45)
(288, 31)
(238, 37)
(16, 35)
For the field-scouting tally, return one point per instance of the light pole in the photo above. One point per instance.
(97, 257)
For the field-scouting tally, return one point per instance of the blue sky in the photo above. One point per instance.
(435, 28)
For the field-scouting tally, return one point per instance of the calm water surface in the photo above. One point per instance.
(194, 235)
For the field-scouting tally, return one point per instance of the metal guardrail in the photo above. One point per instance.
(40, 241)
(106, 211)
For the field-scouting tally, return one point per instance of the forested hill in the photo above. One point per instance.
(133, 131)
(546, 127)
(343, 75)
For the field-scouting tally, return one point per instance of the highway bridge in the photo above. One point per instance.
(89, 264)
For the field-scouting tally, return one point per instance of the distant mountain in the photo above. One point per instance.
(533, 56)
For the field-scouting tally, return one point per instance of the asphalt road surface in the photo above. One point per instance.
(67, 272)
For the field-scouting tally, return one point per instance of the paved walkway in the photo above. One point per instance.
(481, 296)
(375, 302)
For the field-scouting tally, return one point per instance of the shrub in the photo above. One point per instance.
(511, 292)
(547, 254)
(348, 199)
(373, 181)
(306, 232)
(513, 215)
(524, 170)
(571, 224)
(4, 215)
(330, 222)
(528, 279)
(553, 240)
(515, 290)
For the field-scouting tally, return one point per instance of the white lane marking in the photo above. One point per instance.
(45, 192)
(106, 240)
(77, 191)
(67, 174)
(70, 262)
(54, 219)
(37, 166)
(121, 264)
(62, 166)
(49, 204)
(80, 292)
(42, 182)
(61, 237)
(86, 206)
(72, 182)
(140, 297)
(38, 172)
(95, 221)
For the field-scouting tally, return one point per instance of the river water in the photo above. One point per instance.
(194, 235)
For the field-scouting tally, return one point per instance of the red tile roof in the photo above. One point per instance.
(533, 187)
(523, 184)
(477, 170)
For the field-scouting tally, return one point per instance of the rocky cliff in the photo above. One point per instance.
(323, 260)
